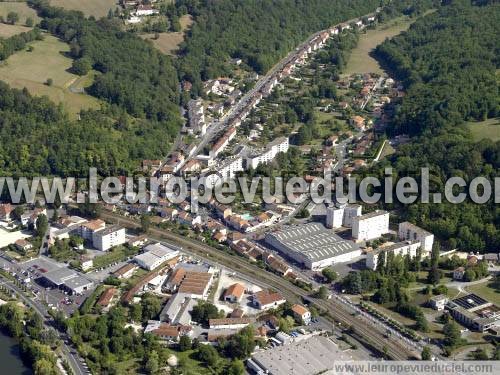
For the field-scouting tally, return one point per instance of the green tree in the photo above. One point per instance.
(184, 343)
(82, 66)
(322, 292)
(12, 18)
(426, 353)
(329, 274)
(29, 22)
(208, 354)
(44, 367)
(452, 336)
(145, 223)
(152, 363)
(42, 225)
(236, 367)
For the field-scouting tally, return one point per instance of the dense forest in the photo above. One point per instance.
(140, 115)
(447, 61)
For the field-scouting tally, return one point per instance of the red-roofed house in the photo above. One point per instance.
(234, 293)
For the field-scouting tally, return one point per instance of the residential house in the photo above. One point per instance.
(23, 245)
(5, 211)
(358, 122)
(301, 314)
(234, 293)
(264, 300)
(126, 271)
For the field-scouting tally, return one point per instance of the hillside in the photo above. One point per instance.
(449, 80)
(139, 119)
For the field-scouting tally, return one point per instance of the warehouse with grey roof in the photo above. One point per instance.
(313, 355)
(313, 245)
(67, 279)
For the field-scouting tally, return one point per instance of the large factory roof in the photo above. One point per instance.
(313, 240)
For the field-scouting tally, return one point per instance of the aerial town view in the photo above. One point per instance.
(249, 187)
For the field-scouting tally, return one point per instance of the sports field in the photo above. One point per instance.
(22, 9)
(489, 129)
(96, 8)
(169, 42)
(24, 69)
(6, 31)
(360, 60)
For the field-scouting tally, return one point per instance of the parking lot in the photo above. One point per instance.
(30, 272)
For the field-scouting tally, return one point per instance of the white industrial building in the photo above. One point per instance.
(313, 245)
(154, 255)
(410, 232)
(400, 248)
(370, 226)
(109, 237)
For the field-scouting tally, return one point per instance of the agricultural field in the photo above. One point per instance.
(96, 8)
(21, 8)
(168, 43)
(360, 60)
(6, 31)
(489, 129)
(23, 69)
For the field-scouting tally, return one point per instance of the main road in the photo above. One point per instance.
(77, 365)
(338, 312)
(243, 104)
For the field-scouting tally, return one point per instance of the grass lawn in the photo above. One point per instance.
(388, 150)
(190, 365)
(360, 60)
(489, 129)
(24, 69)
(96, 8)
(169, 42)
(483, 290)
(129, 366)
(6, 31)
(22, 9)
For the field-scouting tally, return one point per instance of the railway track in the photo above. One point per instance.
(338, 312)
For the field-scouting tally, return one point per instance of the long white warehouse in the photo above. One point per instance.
(313, 245)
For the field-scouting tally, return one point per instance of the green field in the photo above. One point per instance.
(488, 293)
(169, 42)
(24, 69)
(6, 31)
(360, 60)
(489, 129)
(96, 8)
(22, 9)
